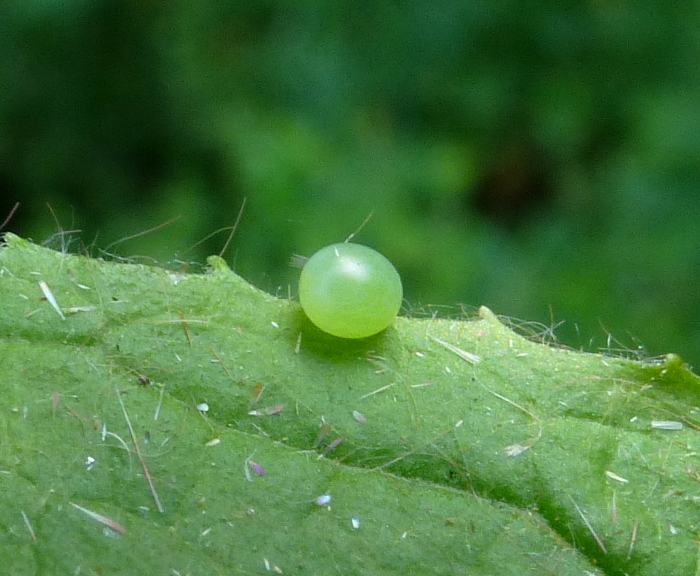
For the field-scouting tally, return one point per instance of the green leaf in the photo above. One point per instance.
(447, 447)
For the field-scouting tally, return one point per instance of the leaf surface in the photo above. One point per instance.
(446, 447)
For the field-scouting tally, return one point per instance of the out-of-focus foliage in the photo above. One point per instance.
(531, 158)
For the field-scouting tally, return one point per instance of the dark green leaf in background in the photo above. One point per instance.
(540, 159)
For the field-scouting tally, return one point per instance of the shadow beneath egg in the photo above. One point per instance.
(321, 344)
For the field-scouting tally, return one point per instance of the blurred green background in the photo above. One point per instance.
(540, 158)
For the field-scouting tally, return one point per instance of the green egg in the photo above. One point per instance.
(350, 291)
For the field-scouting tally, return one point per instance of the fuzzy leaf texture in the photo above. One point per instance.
(446, 447)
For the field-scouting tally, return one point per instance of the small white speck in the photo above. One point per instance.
(423, 385)
(355, 523)
(323, 500)
(275, 324)
(203, 407)
(90, 462)
(50, 298)
(666, 425)
(516, 450)
(614, 476)
(359, 417)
